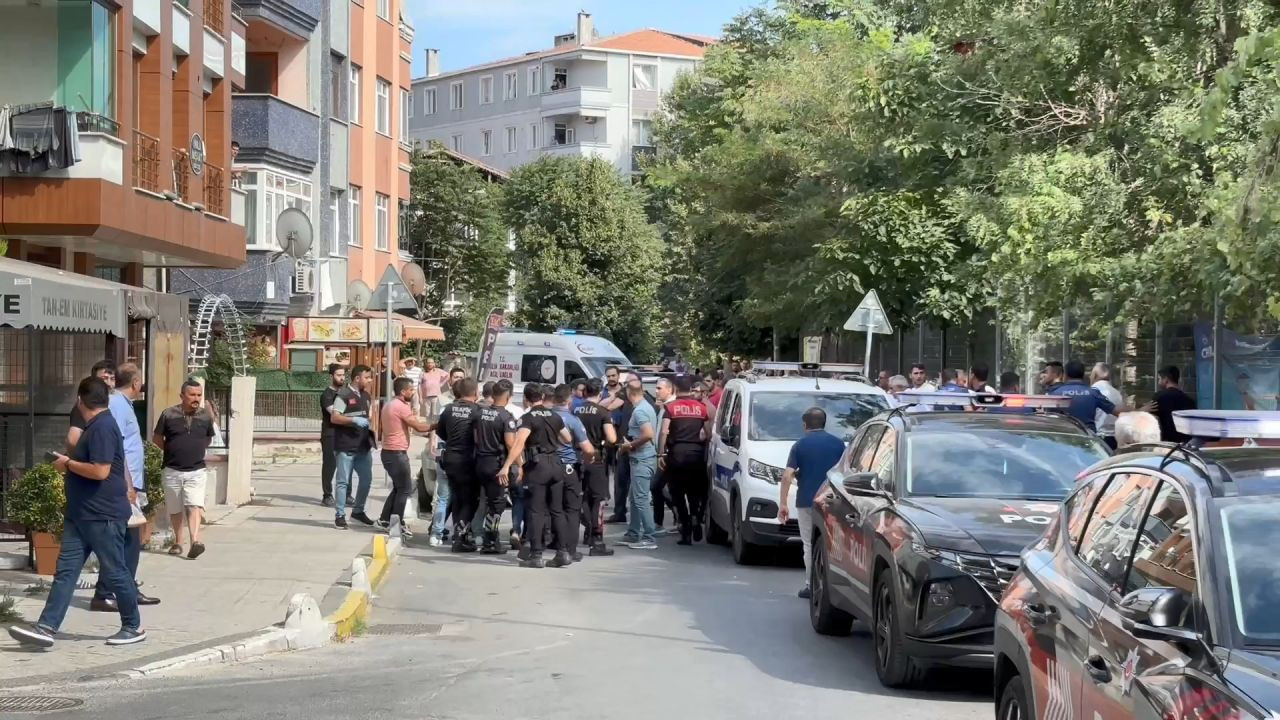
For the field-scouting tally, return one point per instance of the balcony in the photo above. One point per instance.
(101, 150)
(146, 162)
(215, 188)
(580, 101)
(215, 16)
(296, 17)
(181, 175)
(641, 155)
(274, 132)
(581, 149)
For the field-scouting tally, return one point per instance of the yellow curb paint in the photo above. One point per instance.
(354, 608)
(379, 547)
(378, 572)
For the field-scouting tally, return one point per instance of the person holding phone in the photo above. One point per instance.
(96, 520)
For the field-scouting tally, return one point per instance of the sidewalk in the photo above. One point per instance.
(258, 557)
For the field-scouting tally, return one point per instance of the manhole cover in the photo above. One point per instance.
(406, 629)
(36, 703)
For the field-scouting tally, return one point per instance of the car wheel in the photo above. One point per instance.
(716, 535)
(894, 667)
(1013, 703)
(744, 553)
(825, 617)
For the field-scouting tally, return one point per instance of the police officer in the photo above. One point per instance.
(1086, 401)
(571, 455)
(682, 449)
(456, 427)
(595, 476)
(540, 434)
(495, 431)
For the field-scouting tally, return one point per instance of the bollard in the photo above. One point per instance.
(394, 530)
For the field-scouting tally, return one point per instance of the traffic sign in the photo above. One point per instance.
(869, 316)
(812, 349)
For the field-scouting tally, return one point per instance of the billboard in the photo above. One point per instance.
(1249, 367)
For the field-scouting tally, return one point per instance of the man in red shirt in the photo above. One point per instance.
(717, 391)
(682, 450)
(397, 420)
(433, 382)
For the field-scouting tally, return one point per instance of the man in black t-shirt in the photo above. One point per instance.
(104, 370)
(595, 477)
(495, 432)
(353, 442)
(456, 428)
(184, 432)
(328, 459)
(540, 434)
(1169, 400)
(682, 450)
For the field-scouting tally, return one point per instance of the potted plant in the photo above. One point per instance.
(153, 479)
(38, 502)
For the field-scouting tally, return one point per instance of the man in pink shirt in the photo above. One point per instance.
(397, 420)
(433, 382)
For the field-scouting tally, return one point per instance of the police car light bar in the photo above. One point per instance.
(850, 368)
(955, 399)
(1224, 424)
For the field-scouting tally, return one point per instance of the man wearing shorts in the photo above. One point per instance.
(184, 432)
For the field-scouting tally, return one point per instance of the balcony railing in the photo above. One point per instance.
(641, 155)
(214, 190)
(95, 123)
(146, 162)
(181, 174)
(215, 15)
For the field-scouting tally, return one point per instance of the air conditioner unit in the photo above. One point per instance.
(304, 278)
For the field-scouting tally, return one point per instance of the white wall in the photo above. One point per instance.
(29, 36)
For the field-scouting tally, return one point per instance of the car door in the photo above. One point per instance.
(1131, 677)
(844, 533)
(1072, 590)
(724, 460)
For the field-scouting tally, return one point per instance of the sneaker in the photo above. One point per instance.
(340, 523)
(197, 549)
(643, 545)
(628, 538)
(664, 531)
(362, 518)
(462, 546)
(515, 540)
(435, 541)
(524, 553)
(804, 593)
(327, 501)
(601, 550)
(405, 532)
(127, 637)
(382, 524)
(533, 561)
(577, 556)
(32, 636)
(561, 559)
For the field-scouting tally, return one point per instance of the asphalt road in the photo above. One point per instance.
(673, 633)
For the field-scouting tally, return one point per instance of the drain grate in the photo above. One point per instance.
(37, 703)
(405, 630)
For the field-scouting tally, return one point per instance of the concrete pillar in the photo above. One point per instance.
(240, 440)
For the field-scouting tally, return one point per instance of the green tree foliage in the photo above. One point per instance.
(1111, 157)
(587, 255)
(456, 233)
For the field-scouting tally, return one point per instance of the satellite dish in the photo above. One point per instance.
(359, 294)
(293, 232)
(414, 278)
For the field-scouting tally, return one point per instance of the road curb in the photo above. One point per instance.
(354, 610)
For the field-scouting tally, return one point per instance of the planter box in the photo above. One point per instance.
(45, 547)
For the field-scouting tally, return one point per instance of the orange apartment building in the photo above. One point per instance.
(115, 149)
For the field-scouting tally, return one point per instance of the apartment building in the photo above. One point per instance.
(318, 126)
(585, 96)
(115, 149)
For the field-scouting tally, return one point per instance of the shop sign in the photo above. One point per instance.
(197, 154)
(54, 305)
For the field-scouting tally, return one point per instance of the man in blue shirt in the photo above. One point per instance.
(96, 521)
(641, 447)
(810, 459)
(128, 389)
(1086, 401)
(571, 455)
(953, 381)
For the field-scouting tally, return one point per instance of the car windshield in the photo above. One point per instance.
(596, 367)
(998, 463)
(776, 415)
(1251, 534)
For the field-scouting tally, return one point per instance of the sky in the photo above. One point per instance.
(471, 32)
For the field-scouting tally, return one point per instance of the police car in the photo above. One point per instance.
(919, 526)
(1154, 593)
(757, 422)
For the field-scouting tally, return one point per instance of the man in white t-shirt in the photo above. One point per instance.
(414, 373)
(1100, 380)
(920, 379)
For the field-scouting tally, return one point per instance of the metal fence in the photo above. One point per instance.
(275, 411)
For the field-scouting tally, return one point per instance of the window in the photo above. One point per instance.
(538, 368)
(486, 90)
(408, 100)
(88, 83)
(354, 101)
(641, 132)
(722, 414)
(535, 80)
(564, 135)
(486, 142)
(382, 210)
(382, 110)
(1165, 556)
(559, 79)
(1015, 463)
(573, 371)
(1078, 507)
(353, 219)
(429, 102)
(863, 452)
(278, 192)
(511, 140)
(406, 112)
(384, 9)
(735, 422)
(335, 236)
(773, 414)
(886, 457)
(1113, 526)
(405, 222)
(644, 77)
(509, 83)
(335, 91)
(533, 137)
(455, 142)
(455, 96)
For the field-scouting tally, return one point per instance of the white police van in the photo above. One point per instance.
(757, 422)
(552, 358)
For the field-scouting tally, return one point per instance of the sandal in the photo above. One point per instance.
(175, 549)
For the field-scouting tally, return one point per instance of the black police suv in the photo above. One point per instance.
(920, 524)
(1155, 593)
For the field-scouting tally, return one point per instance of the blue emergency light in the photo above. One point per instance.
(1224, 424)
(983, 400)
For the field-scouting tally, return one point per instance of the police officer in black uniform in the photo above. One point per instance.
(595, 476)
(495, 431)
(456, 427)
(539, 436)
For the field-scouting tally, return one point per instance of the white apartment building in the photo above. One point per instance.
(586, 96)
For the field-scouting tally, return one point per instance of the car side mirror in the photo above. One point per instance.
(1156, 613)
(862, 483)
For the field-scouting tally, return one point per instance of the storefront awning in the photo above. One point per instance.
(42, 297)
(413, 329)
